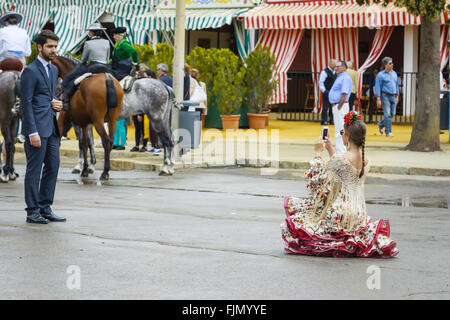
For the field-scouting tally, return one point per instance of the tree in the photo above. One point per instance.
(425, 134)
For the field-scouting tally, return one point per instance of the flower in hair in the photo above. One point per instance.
(350, 117)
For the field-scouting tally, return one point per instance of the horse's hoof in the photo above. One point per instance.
(164, 173)
(12, 176)
(85, 174)
(91, 170)
(76, 171)
(4, 178)
(171, 171)
(104, 177)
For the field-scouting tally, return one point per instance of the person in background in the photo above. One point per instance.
(149, 132)
(339, 95)
(124, 56)
(14, 43)
(354, 75)
(200, 87)
(187, 86)
(326, 80)
(386, 91)
(162, 70)
(138, 121)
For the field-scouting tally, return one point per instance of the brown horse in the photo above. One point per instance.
(91, 104)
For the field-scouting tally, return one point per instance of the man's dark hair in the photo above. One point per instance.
(150, 73)
(45, 34)
(97, 33)
(13, 20)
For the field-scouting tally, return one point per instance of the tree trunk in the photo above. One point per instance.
(425, 134)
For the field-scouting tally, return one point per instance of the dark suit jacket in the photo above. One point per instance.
(36, 93)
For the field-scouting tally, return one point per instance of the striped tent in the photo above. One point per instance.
(328, 14)
(196, 19)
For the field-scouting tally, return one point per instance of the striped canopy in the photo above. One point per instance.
(72, 17)
(196, 19)
(327, 15)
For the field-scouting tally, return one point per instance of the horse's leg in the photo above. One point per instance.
(165, 136)
(91, 150)
(78, 134)
(84, 140)
(12, 130)
(107, 145)
(4, 172)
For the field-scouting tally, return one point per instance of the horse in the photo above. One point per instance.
(11, 69)
(153, 98)
(98, 99)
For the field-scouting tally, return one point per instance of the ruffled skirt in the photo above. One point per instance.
(371, 240)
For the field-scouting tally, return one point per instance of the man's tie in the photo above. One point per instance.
(50, 77)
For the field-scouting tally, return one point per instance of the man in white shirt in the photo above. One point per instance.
(14, 41)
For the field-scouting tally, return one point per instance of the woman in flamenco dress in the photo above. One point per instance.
(333, 220)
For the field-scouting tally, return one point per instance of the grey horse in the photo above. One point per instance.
(153, 98)
(8, 122)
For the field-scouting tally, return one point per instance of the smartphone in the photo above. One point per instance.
(324, 133)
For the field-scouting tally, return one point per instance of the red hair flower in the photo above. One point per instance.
(350, 117)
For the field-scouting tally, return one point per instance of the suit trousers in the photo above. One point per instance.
(338, 116)
(326, 109)
(40, 191)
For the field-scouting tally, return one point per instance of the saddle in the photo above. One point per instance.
(127, 83)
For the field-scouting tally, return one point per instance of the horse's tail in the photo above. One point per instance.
(111, 95)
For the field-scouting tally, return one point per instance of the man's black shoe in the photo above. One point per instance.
(134, 149)
(118, 147)
(52, 217)
(36, 218)
(143, 149)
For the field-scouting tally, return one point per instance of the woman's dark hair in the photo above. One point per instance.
(357, 133)
(151, 73)
(45, 34)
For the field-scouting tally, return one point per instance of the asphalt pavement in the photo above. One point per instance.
(213, 233)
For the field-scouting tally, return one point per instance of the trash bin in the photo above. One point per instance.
(190, 120)
(444, 119)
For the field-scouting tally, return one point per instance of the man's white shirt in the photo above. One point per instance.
(322, 78)
(13, 38)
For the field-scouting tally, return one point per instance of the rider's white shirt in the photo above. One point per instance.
(16, 39)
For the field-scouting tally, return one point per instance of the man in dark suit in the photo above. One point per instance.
(38, 83)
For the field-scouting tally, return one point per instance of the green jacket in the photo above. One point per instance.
(124, 50)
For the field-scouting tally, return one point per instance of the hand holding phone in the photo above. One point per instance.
(324, 133)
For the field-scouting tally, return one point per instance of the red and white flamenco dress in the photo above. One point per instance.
(333, 220)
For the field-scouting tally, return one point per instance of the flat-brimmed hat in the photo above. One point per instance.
(95, 27)
(10, 14)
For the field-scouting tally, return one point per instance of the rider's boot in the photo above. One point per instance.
(66, 103)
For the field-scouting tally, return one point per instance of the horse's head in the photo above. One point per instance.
(65, 64)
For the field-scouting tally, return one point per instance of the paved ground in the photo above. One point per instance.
(212, 234)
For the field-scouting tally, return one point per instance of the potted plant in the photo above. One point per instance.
(259, 86)
(227, 87)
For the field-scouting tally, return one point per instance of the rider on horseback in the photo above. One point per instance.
(14, 43)
(95, 56)
(124, 57)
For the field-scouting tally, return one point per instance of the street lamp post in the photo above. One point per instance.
(178, 65)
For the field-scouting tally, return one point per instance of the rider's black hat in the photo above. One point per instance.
(119, 30)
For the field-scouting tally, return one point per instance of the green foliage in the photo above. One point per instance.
(33, 54)
(164, 54)
(429, 8)
(227, 82)
(223, 72)
(258, 79)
